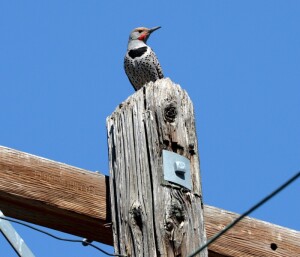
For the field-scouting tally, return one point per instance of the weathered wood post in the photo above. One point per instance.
(150, 216)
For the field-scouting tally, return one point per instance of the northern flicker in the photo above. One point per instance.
(140, 63)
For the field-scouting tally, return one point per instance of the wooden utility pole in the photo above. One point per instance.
(150, 216)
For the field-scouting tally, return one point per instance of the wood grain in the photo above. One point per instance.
(53, 194)
(250, 237)
(26, 197)
(150, 216)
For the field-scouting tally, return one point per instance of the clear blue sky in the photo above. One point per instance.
(61, 75)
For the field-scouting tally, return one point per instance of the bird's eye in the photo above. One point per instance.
(140, 31)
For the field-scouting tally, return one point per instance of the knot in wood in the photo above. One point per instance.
(192, 149)
(170, 112)
(177, 213)
(136, 214)
(169, 225)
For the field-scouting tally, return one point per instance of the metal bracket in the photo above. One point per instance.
(177, 169)
(14, 239)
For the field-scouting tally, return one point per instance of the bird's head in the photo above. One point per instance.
(141, 33)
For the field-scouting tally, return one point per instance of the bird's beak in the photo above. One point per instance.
(153, 29)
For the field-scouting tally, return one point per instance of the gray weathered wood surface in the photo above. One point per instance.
(150, 216)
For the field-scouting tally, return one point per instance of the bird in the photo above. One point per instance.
(140, 63)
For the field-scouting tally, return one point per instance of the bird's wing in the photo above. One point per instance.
(159, 71)
(128, 71)
(157, 65)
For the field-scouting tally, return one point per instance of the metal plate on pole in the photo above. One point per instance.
(177, 169)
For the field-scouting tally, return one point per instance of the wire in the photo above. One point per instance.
(85, 242)
(260, 203)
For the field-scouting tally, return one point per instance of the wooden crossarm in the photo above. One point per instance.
(75, 201)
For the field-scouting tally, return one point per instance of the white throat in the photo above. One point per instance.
(132, 44)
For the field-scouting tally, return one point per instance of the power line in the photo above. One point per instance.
(84, 242)
(260, 203)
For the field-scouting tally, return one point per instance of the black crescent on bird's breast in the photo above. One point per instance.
(138, 52)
